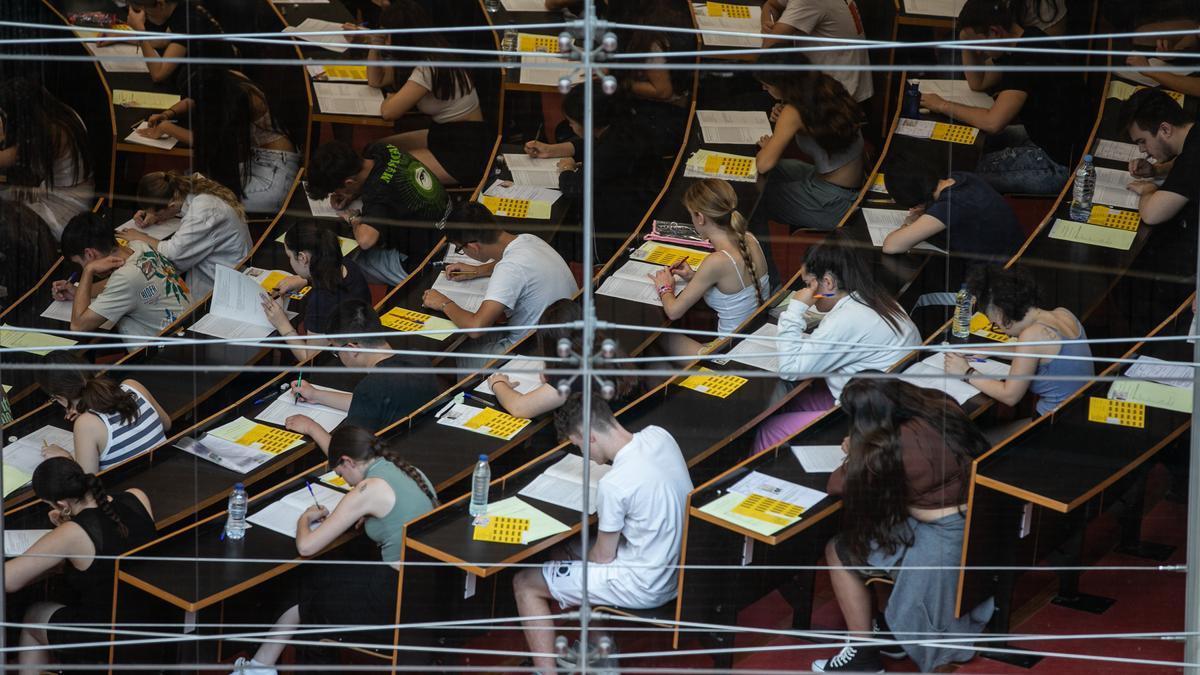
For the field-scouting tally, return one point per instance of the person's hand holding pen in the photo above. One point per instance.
(956, 363)
(64, 289)
(50, 450)
(537, 149)
(683, 270)
(303, 391)
(314, 514)
(663, 280)
(462, 272)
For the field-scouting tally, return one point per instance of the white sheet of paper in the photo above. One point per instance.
(25, 453)
(631, 283)
(159, 231)
(347, 98)
(163, 142)
(930, 373)
(285, 405)
(60, 310)
(549, 75)
(743, 127)
(751, 28)
(758, 483)
(334, 43)
(530, 192)
(1112, 190)
(562, 483)
(17, 542)
(526, 376)
(957, 91)
(531, 171)
(947, 8)
(752, 346)
(915, 128)
(1116, 150)
(819, 458)
(1134, 75)
(524, 5)
(467, 294)
(236, 308)
(126, 51)
(1170, 373)
(282, 516)
(882, 222)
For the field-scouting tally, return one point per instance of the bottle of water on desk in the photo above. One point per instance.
(235, 522)
(961, 328)
(1082, 191)
(912, 100)
(480, 482)
(492, 6)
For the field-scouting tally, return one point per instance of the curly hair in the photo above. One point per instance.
(829, 113)
(1013, 293)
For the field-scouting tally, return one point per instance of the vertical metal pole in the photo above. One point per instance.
(589, 311)
(1191, 605)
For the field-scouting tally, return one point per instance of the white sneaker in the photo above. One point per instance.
(244, 666)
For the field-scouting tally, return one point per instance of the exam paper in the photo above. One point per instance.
(743, 127)
(562, 483)
(930, 373)
(334, 43)
(236, 308)
(31, 341)
(14, 478)
(957, 91)
(819, 458)
(163, 142)
(533, 171)
(1170, 373)
(159, 231)
(341, 98)
(1093, 235)
(530, 192)
(549, 71)
(1134, 75)
(17, 542)
(631, 282)
(25, 453)
(1116, 150)
(751, 28)
(283, 515)
(285, 405)
(149, 100)
(118, 58)
(882, 222)
(1153, 394)
(227, 454)
(338, 73)
(722, 507)
(467, 294)
(526, 376)
(1112, 190)
(541, 525)
(751, 346)
(60, 310)
(949, 8)
(758, 483)
(915, 128)
(524, 5)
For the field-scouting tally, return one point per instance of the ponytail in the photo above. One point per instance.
(62, 478)
(157, 188)
(325, 255)
(385, 451)
(63, 375)
(103, 502)
(359, 445)
(740, 226)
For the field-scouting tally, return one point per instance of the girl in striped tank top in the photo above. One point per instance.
(112, 422)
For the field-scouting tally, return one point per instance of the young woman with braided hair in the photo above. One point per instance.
(387, 493)
(732, 280)
(89, 526)
(112, 422)
(213, 232)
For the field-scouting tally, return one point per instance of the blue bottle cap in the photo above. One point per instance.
(238, 486)
(483, 458)
(1087, 158)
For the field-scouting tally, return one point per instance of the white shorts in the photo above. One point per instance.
(564, 578)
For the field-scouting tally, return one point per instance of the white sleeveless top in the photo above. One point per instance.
(734, 308)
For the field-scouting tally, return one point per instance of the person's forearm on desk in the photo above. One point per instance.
(365, 235)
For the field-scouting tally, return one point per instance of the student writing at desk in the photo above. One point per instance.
(178, 17)
(316, 258)
(732, 280)
(456, 146)
(525, 275)
(44, 154)
(817, 114)
(860, 323)
(141, 293)
(1162, 130)
(235, 137)
(958, 211)
(640, 504)
(379, 398)
(1031, 158)
(213, 230)
(90, 529)
(823, 19)
(1183, 83)
(401, 201)
(904, 488)
(387, 492)
(111, 422)
(1009, 299)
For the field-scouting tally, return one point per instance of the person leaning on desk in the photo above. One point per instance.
(1162, 130)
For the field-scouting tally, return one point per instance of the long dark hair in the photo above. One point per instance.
(63, 375)
(325, 255)
(566, 311)
(652, 16)
(42, 128)
(829, 113)
(222, 126)
(360, 445)
(1009, 290)
(835, 256)
(876, 487)
(61, 478)
(447, 82)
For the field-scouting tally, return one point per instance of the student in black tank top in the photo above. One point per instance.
(87, 523)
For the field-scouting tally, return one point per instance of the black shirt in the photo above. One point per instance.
(403, 200)
(322, 302)
(978, 220)
(193, 18)
(1055, 102)
(1184, 178)
(382, 398)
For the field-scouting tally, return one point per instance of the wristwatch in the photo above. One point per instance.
(971, 372)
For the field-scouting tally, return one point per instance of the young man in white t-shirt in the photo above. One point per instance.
(640, 504)
(822, 19)
(525, 275)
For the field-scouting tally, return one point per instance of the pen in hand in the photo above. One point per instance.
(311, 493)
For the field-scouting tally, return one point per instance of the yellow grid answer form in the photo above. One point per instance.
(500, 529)
(270, 439)
(516, 208)
(404, 320)
(1118, 218)
(669, 255)
(345, 72)
(720, 386)
(150, 100)
(273, 280)
(495, 423)
(767, 509)
(729, 165)
(529, 42)
(1122, 413)
(984, 328)
(715, 9)
(954, 133)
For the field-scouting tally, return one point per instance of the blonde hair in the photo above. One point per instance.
(716, 201)
(159, 187)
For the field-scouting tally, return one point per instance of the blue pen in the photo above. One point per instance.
(475, 398)
(310, 492)
(73, 278)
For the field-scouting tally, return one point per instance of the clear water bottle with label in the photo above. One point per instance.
(508, 43)
(492, 6)
(1082, 191)
(480, 482)
(961, 328)
(235, 522)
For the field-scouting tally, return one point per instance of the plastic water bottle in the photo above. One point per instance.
(508, 43)
(235, 523)
(492, 6)
(480, 482)
(912, 100)
(1082, 191)
(961, 328)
